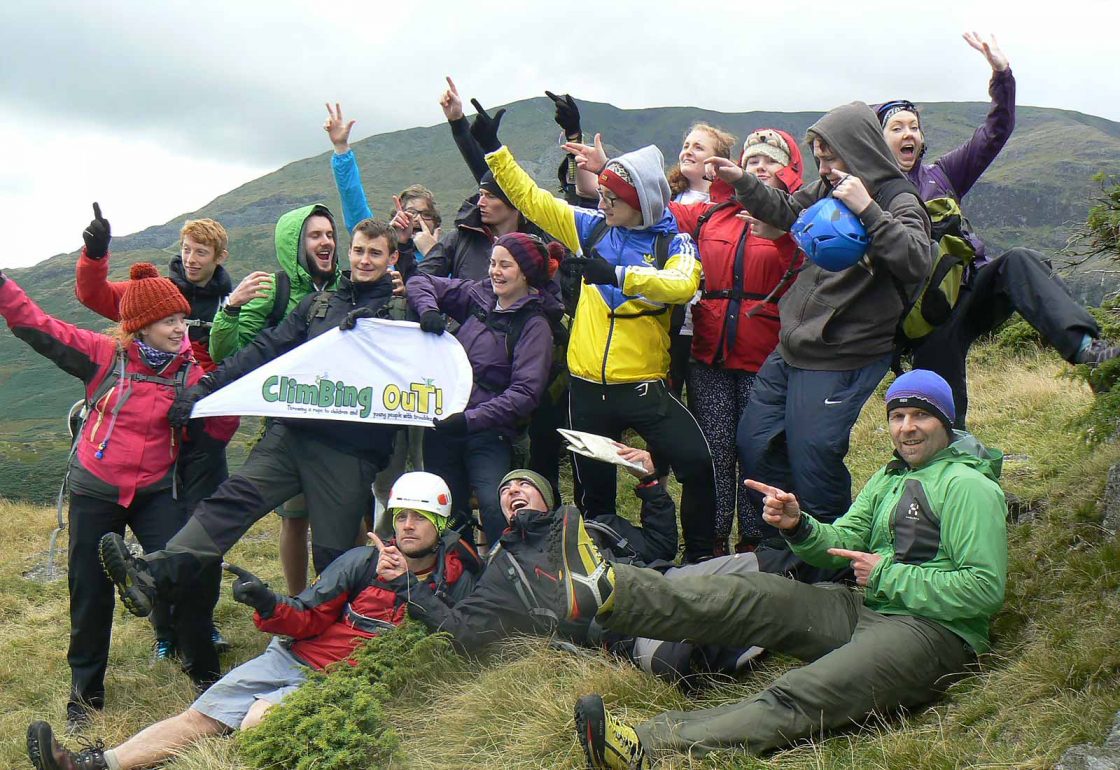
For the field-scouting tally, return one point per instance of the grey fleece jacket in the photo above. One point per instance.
(846, 320)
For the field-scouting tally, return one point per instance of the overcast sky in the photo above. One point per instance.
(155, 108)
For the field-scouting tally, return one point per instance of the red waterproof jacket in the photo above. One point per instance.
(722, 334)
(128, 426)
(349, 603)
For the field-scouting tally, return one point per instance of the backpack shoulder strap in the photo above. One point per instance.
(516, 575)
(517, 325)
(661, 249)
(703, 219)
(596, 235)
(111, 378)
(282, 292)
(892, 188)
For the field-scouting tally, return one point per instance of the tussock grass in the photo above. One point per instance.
(1052, 680)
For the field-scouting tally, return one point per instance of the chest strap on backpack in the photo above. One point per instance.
(525, 593)
(364, 622)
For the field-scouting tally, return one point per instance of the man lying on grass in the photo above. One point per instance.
(928, 543)
(351, 602)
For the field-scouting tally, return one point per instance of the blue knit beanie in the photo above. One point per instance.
(926, 390)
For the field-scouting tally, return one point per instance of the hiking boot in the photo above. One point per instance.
(46, 753)
(130, 575)
(79, 714)
(588, 578)
(608, 742)
(164, 649)
(1097, 353)
(221, 644)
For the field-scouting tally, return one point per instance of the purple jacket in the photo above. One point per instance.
(953, 174)
(505, 392)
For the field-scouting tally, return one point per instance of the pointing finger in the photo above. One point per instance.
(239, 572)
(843, 553)
(479, 108)
(96, 210)
(451, 85)
(765, 489)
(377, 542)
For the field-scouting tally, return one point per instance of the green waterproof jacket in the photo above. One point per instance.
(236, 327)
(941, 531)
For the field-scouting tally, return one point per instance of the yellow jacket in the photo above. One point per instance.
(618, 334)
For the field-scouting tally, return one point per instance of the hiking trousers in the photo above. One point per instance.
(284, 463)
(671, 434)
(153, 518)
(1019, 280)
(795, 431)
(857, 661)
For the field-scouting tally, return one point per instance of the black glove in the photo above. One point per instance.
(351, 318)
(567, 115)
(252, 591)
(97, 235)
(180, 412)
(484, 129)
(433, 322)
(454, 425)
(599, 270)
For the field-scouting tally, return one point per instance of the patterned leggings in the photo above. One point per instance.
(718, 398)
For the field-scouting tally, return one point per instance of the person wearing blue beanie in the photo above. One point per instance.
(926, 390)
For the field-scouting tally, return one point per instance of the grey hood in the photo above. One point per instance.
(646, 167)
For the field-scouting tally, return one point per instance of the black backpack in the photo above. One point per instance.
(283, 292)
(660, 257)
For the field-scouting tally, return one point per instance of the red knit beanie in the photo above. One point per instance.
(537, 261)
(149, 298)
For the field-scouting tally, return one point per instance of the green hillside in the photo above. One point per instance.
(1038, 187)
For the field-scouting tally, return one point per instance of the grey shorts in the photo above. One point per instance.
(270, 677)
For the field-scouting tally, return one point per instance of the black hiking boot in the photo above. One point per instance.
(609, 743)
(129, 574)
(588, 578)
(46, 753)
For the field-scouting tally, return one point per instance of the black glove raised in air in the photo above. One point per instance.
(567, 115)
(250, 590)
(433, 322)
(484, 129)
(97, 235)
(180, 412)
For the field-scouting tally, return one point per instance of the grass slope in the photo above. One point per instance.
(1051, 681)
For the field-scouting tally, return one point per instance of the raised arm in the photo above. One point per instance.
(452, 106)
(964, 165)
(347, 178)
(91, 274)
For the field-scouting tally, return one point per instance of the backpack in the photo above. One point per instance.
(937, 294)
(660, 257)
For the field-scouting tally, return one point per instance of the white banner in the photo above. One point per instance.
(380, 371)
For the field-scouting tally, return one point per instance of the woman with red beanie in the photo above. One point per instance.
(507, 335)
(122, 468)
(748, 266)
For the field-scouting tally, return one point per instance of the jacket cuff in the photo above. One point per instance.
(231, 311)
(800, 533)
(876, 573)
(870, 215)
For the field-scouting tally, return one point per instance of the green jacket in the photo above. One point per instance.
(236, 327)
(942, 534)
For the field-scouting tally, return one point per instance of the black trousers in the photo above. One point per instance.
(153, 518)
(202, 471)
(671, 434)
(1022, 280)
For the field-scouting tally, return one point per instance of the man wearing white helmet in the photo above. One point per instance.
(351, 602)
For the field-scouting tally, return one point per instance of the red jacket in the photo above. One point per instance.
(138, 447)
(765, 262)
(349, 603)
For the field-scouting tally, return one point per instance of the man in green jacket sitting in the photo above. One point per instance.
(928, 543)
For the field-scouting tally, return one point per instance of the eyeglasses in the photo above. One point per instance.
(426, 215)
(607, 199)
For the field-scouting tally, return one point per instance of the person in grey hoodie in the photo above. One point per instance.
(837, 332)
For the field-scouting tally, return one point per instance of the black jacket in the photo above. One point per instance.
(369, 441)
(205, 300)
(502, 604)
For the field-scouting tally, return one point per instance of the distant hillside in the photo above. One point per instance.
(1038, 187)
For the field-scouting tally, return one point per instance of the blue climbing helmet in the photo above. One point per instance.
(830, 235)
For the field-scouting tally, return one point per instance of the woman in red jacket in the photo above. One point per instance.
(748, 266)
(122, 468)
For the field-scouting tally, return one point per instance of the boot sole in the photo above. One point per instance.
(591, 724)
(36, 731)
(115, 558)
